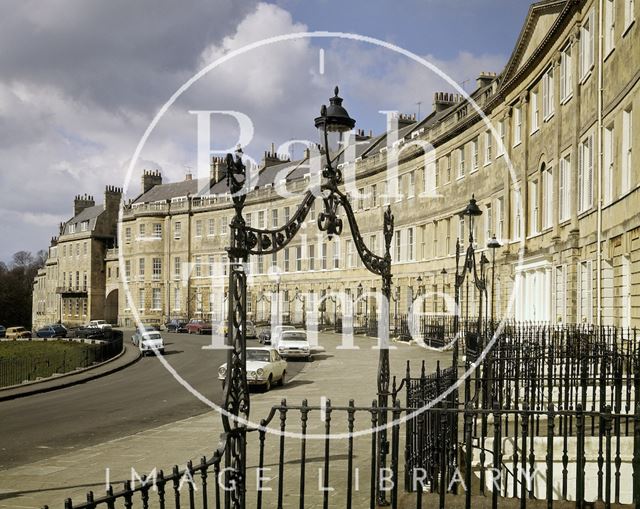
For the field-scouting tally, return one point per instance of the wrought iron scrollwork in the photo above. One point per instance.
(246, 241)
(265, 241)
(236, 391)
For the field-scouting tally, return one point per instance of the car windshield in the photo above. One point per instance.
(294, 336)
(258, 355)
(152, 336)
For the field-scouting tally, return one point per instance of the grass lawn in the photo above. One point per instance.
(22, 361)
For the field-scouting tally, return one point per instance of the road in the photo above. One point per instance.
(142, 396)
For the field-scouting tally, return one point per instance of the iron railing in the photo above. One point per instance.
(190, 486)
(529, 463)
(550, 414)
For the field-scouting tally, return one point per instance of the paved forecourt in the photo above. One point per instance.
(338, 374)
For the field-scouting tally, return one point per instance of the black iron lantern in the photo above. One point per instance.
(246, 241)
(471, 211)
(334, 118)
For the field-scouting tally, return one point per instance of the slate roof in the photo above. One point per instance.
(90, 214)
(164, 192)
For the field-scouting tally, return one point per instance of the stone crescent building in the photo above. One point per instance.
(554, 167)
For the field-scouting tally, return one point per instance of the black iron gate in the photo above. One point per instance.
(431, 446)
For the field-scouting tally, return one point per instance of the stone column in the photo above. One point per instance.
(555, 216)
(524, 172)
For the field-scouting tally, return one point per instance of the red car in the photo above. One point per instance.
(196, 326)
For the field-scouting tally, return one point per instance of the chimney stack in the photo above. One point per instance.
(81, 202)
(485, 78)
(112, 197)
(361, 135)
(218, 169)
(444, 100)
(404, 120)
(150, 179)
(271, 158)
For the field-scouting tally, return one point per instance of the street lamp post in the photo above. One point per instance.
(396, 299)
(362, 295)
(299, 296)
(414, 298)
(469, 268)
(277, 279)
(443, 272)
(493, 245)
(335, 307)
(245, 241)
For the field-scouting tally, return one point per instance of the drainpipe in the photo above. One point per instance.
(599, 168)
(166, 272)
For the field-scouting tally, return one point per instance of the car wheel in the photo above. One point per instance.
(267, 386)
(283, 380)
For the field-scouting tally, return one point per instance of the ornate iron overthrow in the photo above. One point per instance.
(246, 241)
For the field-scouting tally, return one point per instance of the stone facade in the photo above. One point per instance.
(553, 165)
(71, 287)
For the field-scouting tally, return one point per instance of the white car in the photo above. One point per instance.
(265, 367)
(99, 324)
(294, 344)
(276, 333)
(149, 342)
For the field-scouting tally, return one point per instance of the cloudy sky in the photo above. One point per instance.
(80, 81)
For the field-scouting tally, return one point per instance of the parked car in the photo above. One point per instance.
(151, 342)
(294, 344)
(264, 336)
(3, 331)
(176, 326)
(265, 367)
(52, 331)
(223, 328)
(88, 332)
(196, 326)
(277, 332)
(17, 333)
(100, 324)
(135, 338)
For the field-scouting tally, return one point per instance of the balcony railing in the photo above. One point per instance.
(72, 290)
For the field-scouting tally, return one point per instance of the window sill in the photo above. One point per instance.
(517, 144)
(608, 54)
(549, 116)
(628, 27)
(534, 131)
(487, 163)
(586, 76)
(566, 99)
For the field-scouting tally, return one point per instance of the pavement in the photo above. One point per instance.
(128, 356)
(337, 374)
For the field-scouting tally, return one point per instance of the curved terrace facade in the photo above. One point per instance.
(548, 147)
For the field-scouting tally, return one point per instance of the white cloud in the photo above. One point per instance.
(76, 97)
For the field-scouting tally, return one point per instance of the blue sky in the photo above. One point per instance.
(439, 27)
(80, 81)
